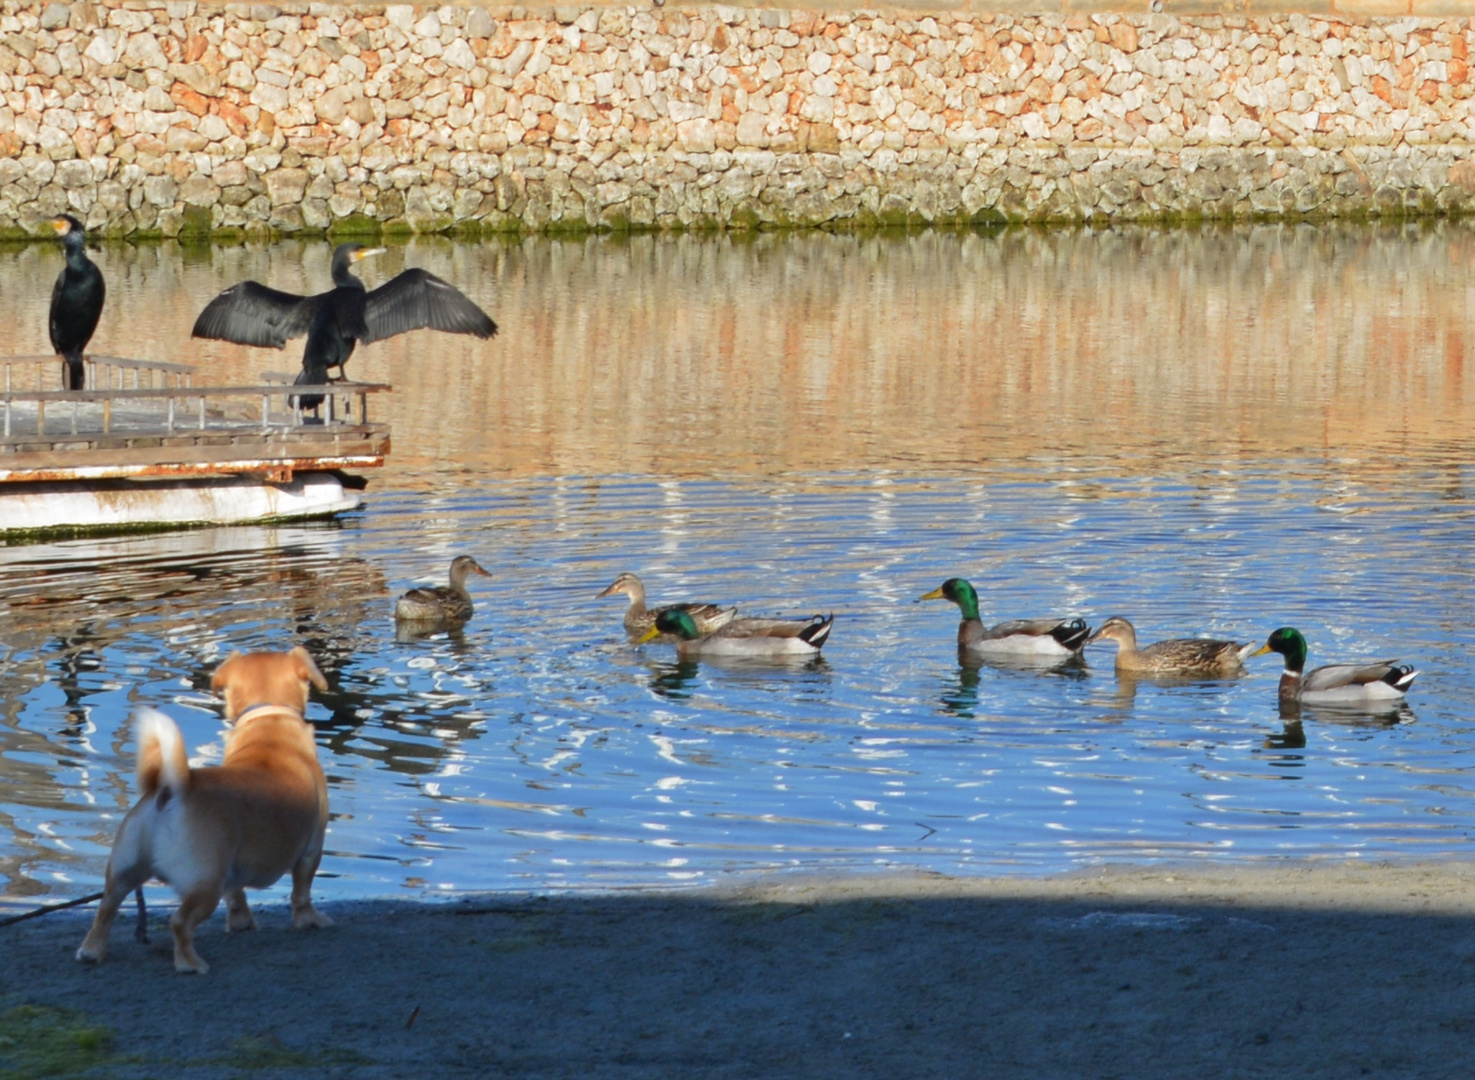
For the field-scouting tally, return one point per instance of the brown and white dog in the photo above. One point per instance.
(214, 832)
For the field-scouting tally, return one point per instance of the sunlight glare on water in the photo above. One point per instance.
(1215, 432)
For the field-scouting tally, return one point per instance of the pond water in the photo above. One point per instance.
(1209, 432)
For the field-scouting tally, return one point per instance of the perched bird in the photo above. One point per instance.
(1044, 638)
(76, 301)
(1335, 684)
(441, 603)
(639, 618)
(335, 321)
(1178, 656)
(743, 637)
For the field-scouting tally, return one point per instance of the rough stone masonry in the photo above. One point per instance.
(176, 117)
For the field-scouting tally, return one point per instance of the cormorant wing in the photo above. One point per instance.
(416, 299)
(253, 314)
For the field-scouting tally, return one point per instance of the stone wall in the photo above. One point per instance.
(172, 116)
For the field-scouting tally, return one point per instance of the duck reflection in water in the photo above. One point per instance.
(961, 697)
(1368, 714)
(78, 655)
(1292, 736)
(1128, 683)
(674, 681)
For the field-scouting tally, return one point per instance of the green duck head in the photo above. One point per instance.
(1289, 643)
(959, 592)
(673, 621)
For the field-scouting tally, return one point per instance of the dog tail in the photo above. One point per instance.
(163, 764)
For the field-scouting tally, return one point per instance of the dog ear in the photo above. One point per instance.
(221, 676)
(306, 669)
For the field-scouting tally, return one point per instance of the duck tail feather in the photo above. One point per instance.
(818, 630)
(1072, 635)
(1401, 676)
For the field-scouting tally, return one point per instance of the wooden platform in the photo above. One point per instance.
(143, 446)
(164, 426)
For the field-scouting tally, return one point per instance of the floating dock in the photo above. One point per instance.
(142, 447)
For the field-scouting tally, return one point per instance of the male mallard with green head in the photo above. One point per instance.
(753, 638)
(1335, 684)
(1054, 638)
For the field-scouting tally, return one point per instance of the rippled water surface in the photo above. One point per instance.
(1208, 432)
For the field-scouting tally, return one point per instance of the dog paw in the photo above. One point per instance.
(87, 956)
(190, 965)
(311, 919)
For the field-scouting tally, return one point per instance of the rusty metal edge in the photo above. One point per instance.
(174, 471)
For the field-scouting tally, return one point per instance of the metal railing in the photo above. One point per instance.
(156, 411)
(34, 372)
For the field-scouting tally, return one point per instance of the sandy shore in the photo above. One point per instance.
(1298, 970)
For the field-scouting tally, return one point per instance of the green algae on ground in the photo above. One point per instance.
(269, 1052)
(37, 1041)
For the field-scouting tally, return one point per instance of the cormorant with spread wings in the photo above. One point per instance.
(335, 321)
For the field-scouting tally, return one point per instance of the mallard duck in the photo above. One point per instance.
(1335, 684)
(639, 618)
(743, 637)
(1178, 656)
(1020, 637)
(441, 603)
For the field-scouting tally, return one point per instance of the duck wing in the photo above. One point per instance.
(1196, 652)
(815, 631)
(1336, 676)
(417, 299)
(1070, 633)
(254, 314)
(708, 617)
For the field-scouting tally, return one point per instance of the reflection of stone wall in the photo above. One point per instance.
(180, 116)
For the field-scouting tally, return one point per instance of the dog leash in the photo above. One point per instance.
(140, 930)
(51, 907)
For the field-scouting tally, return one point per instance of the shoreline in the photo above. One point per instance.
(1295, 969)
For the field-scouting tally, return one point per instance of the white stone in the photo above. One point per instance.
(750, 129)
(101, 50)
(697, 136)
(143, 51)
(459, 55)
(213, 128)
(819, 62)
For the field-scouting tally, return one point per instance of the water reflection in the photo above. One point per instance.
(1224, 431)
(1162, 351)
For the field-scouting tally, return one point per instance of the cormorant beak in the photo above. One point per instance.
(649, 635)
(61, 225)
(364, 253)
(1261, 651)
(935, 594)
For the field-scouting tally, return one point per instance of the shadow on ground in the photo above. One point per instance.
(1303, 972)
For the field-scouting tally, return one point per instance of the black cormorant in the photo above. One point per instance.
(76, 301)
(253, 314)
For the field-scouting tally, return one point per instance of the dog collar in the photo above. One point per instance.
(263, 709)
